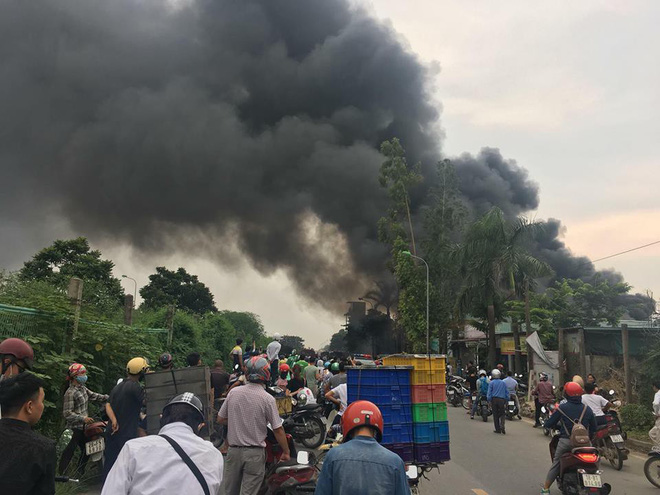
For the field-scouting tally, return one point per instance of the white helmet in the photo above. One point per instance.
(277, 336)
(482, 373)
(496, 373)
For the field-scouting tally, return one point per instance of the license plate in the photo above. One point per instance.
(592, 481)
(474, 397)
(95, 446)
(512, 403)
(616, 438)
(450, 392)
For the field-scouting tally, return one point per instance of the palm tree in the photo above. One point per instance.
(385, 294)
(492, 255)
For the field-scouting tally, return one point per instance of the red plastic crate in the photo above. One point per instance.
(423, 394)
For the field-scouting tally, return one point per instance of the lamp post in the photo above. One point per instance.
(428, 339)
(135, 290)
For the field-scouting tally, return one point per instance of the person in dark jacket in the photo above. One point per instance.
(27, 466)
(573, 408)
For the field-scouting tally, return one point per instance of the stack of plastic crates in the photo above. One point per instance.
(389, 388)
(429, 406)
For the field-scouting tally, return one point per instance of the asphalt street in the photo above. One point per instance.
(484, 463)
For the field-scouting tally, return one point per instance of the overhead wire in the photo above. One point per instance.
(626, 251)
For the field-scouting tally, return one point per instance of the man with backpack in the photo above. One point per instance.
(576, 423)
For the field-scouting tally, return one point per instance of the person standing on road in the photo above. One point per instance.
(247, 411)
(219, 380)
(27, 466)
(543, 394)
(237, 355)
(498, 395)
(512, 386)
(573, 411)
(654, 433)
(472, 384)
(74, 410)
(360, 465)
(273, 352)
(123, 410)
(312, 375)
(482, 390)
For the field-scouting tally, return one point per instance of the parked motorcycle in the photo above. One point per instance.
(511, 408)
(306, 423)
(457, 393)
(579, 473)
(297, 475)
(652, 468)
(610, 442)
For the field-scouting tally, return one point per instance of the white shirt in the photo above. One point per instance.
(150, 466)
(595, 402)
(341, 391)
(273, 350)
(310, 396)
(656, 403)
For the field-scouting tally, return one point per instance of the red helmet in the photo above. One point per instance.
(258, 369)
(19, 349)
(284, 367)
(362, 413)
(77, 369)
(573, 389)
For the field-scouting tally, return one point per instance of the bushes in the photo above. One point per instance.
(636, 417)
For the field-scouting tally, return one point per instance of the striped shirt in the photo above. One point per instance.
(76, 399)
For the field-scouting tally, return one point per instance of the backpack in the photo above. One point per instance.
(579, 435)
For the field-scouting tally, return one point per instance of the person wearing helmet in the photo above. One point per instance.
(283, 379)
(123, 409)
(498, 395)
(543, 394)
(150, 465)
(565, 416)
(247, 411)
(16, 356)
(74, 410)
(166, 361)
(273, 353)
(482, 390)
(360, 464)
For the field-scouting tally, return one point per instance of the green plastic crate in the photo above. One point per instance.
(429, 412)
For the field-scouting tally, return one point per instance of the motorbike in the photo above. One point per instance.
(546, 412)
(297, 475)
(652, 468)
(483, 408)
(306, 423)
(94, 442)
(511, 408)
(457, 393)
(610, 440)
(579, 473)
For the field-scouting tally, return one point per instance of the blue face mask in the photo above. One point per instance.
(81, 378)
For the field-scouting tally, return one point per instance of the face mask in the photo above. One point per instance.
(81, 378)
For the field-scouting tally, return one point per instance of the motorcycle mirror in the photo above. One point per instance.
(302, 457)
(411, 472)
(611, 392)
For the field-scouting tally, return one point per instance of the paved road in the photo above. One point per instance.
(484, 463)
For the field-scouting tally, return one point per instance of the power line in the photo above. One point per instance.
(627, 251)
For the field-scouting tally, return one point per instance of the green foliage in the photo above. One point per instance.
(637, 417)
(64, 259)
(338, 341)
(178, 288)
(248, 327)
(291, 343)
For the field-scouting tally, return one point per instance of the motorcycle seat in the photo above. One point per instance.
(289, 465)
(602, 427)
(309, 407)
(585, 450)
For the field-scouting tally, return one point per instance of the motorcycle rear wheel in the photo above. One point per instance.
(652, 470)
(546, 431)
(318, 427)
(614, 455)
(484, 414)
(466, 403)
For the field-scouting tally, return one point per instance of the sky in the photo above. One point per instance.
(567, 89)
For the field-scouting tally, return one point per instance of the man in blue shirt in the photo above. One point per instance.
(498, 395)
(482, 389)
(361, 465)
(512, 386)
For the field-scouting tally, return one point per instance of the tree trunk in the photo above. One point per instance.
(492, 349)
(517, 365)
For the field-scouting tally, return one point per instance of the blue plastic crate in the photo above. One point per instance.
(382, 376)
(397, 433)
(380, 395)
(431, 432)
(403, 450)
(394, 414)
(431, 452)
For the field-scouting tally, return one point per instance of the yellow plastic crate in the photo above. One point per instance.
(426, 377)
(417, 361)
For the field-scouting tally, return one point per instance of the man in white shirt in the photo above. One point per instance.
(273, 353)
(339, 396)
(654, 433)
(152, 464)
(597, 403)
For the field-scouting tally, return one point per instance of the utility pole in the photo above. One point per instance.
(170, 325)
(128, 309)
(74, 293)
(626, 362)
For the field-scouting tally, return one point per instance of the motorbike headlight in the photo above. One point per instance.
(543, 409)
(302, 399)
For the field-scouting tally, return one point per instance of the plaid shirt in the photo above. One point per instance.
(75, 403)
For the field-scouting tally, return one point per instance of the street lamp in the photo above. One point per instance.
(428, 339)
(135, 291)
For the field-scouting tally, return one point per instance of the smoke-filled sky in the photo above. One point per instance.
(238, 139)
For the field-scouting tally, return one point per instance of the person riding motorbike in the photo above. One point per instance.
(543, 394)
(74, 410)
(16, 356)
(361, 465)
(512, 386)
(166, 361)
(482, 390)
(598, 404)
(573, 411)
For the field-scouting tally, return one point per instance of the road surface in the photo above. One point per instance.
(484, 463)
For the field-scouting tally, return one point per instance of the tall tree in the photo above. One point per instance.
(494, 250)
(179, 288)
(291, 343)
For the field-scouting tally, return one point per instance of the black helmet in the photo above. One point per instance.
(188, 398)
(165, 360)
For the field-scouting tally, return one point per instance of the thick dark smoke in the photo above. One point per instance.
(250, 123)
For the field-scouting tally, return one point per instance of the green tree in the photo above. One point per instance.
(64, 259)
(248, 327)
(338, 341)
(184, 290)
(493, 252)
(291, 343)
